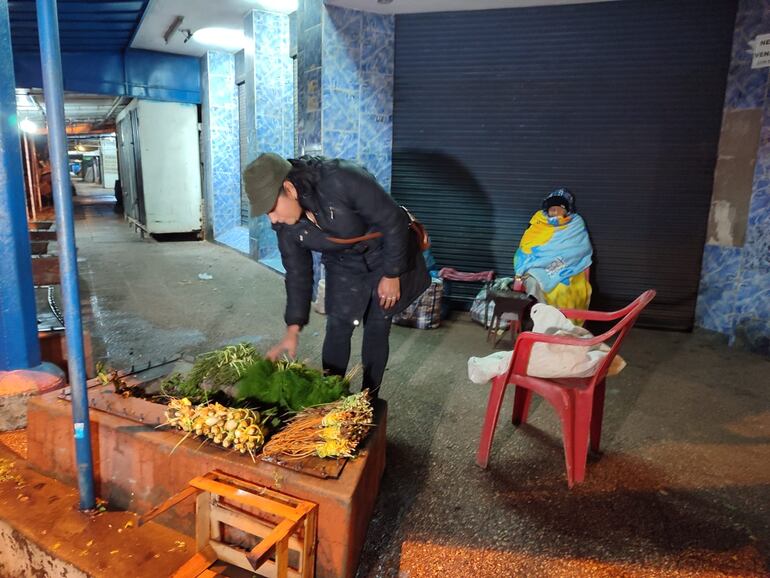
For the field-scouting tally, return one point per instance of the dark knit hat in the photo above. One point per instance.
(561, 197)
(263, 179)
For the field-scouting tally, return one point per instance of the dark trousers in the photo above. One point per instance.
(375, 348)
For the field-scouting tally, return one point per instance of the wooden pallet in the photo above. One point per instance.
(283, 524)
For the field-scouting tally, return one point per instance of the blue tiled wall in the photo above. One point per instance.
(220, 136)
(734, 296)
(746, 86)
(344, 101)
(270, 109)
(345, 85)
(309, 77)
(357, 88)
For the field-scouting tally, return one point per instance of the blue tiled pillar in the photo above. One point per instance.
(357, 88)
(734, 298)
(309, 77)
(19, 346)
(345, 85)
(270, 108)
(752, 290)
(221, 154)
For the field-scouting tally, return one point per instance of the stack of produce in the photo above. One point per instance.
(216, 369)
(289, 385)
(332, 430)
(241, 374)
(240, 429)
(212, 372)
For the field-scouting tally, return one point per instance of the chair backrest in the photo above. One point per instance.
(630, 313)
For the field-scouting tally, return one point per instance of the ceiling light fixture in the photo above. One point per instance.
(229, 39)
(173, 28)
(27, 125)
(384, 1)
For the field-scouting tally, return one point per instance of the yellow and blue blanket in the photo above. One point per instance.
(557, 257)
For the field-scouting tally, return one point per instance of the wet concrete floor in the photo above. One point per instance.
(682, 487)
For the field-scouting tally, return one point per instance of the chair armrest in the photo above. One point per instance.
(525, 341)
(528, 337)
(588, 315)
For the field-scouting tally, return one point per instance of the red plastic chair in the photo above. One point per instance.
(578, 401)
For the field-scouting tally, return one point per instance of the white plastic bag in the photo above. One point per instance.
(320, 298)
(548, 360)
(483, 369)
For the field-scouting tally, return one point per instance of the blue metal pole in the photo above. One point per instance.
(50, 58)
(19, 345)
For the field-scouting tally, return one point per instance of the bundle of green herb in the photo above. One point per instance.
(290, 385)
(211, 372)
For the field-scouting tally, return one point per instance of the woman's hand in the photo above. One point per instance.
(389, 291)
(288, 344)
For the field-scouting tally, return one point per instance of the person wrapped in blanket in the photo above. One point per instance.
(555, 253)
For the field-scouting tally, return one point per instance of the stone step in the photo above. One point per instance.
(42, 533)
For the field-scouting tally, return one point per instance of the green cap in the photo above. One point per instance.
(263, 179)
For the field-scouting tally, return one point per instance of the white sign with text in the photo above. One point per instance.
(761, 51)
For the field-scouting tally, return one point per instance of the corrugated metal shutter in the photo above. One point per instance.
(244, 149)
(619, 101)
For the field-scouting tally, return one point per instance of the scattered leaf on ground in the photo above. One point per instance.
(8, 472)
(178, 545)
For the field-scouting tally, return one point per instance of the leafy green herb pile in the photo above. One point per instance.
(290, 385)
(242, 373)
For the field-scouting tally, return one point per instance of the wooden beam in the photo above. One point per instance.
(202, 520)
(250, 499)
(237, 557)
(226, 515)
(197, 564)
(282, 558)
(188, 492)
(309, 544)
(279, 535)
(256, 488)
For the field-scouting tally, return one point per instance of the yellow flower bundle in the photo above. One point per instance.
(332, 430)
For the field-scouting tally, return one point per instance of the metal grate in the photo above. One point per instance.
(493, 109)
(84, 25)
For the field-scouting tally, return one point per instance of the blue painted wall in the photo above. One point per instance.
(139, 73)
(19, 346)
(734, 295)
